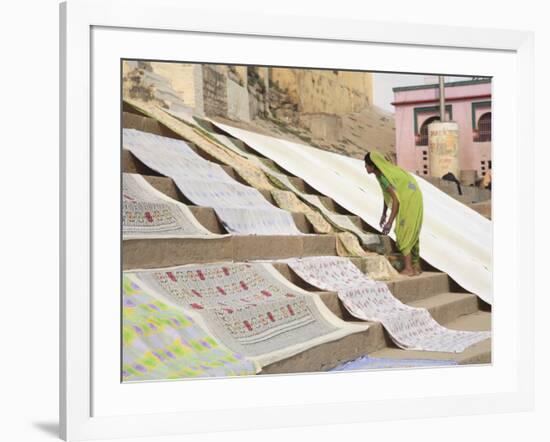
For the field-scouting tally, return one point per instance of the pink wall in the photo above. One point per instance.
(460, 97)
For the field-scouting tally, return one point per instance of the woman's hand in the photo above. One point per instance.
(387, 227)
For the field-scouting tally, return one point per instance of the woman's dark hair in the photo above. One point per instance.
(368, 160)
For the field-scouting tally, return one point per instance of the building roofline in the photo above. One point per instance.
(436, 85)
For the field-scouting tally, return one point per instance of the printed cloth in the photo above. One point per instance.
(287, 200)
(160, 341)
(241, 209)
(378, 267)
(251, 308)
(410, 327)
(251, 174)
(171, 157)
(370, 363)
(347, 244)
(146, 212)
(342, 221)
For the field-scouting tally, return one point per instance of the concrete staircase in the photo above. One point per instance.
(474, 197)
(447, 302)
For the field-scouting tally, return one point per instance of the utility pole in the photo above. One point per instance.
(442, 98)
(443, 141)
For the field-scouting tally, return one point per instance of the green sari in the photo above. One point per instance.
(408, 221)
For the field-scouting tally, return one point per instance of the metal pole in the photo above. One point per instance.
(442, 98)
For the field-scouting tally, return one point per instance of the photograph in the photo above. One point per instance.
(294, 220)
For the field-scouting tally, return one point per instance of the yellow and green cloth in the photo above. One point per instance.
(164, 342)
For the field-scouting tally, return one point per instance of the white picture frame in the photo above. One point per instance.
(92, 406)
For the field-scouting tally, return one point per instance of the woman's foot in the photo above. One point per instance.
(417, 268)
(408, 271)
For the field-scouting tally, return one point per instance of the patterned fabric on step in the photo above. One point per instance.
(251, 308)
(164, 342)
(242, 209)
(146, 212)
(409, 327)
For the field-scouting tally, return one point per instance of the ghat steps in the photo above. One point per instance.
(433, 290)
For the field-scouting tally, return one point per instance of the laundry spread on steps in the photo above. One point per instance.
(241, 209)
(282, 181)
(268, 326)
(454, 238)
(373, 363)
(249, 307)
(409, 327)
(148, 213)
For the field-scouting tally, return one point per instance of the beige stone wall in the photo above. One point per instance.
(286, 80)
(325, 91)
(214, 84)
(182, 79)
(238, 107)
(327, 127)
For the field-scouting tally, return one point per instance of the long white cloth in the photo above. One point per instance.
(454, 238)
(409, 327)
(241, 209)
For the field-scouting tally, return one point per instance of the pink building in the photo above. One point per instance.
(468, 103)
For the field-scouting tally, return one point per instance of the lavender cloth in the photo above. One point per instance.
(369, 363)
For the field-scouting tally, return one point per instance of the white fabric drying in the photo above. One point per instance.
(454, 238)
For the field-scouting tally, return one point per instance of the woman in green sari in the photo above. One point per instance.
(402, 194)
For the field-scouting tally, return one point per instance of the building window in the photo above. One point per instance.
(423, 133)
(484, 127)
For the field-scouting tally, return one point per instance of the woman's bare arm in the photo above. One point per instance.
(394, 211)
(383, 217)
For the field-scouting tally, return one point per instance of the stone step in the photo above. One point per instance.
(447, 307)
(414, 288)
(479, 353)
(444, 307)
(131, 119)
(208, 218)
(376, 342)
(164, 252)
(329, 355)
(407, 289)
